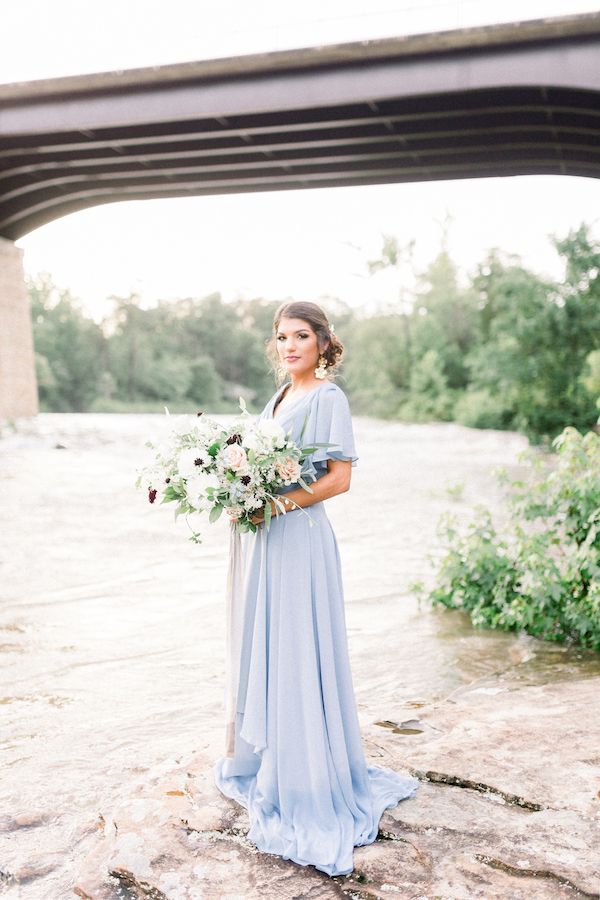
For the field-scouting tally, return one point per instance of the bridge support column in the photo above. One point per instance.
(18, 386)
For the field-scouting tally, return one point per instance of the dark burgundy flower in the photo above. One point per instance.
(199, 461)
(152, 495)
(245, 479)
(234, 439)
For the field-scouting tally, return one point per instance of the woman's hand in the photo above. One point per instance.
(259, 516)
(257, 519)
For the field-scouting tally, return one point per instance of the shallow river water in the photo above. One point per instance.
(112, 622)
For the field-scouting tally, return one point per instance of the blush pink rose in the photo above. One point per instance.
(288, 468)
(235, 458)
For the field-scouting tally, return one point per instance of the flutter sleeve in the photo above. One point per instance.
(330, 422)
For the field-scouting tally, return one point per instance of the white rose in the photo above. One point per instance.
(272, 431)
(252, 441)
(264, 435)
(196, 486)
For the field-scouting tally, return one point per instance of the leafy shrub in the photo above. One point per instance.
(543, 574)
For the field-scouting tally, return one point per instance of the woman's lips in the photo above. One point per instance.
(291, 358)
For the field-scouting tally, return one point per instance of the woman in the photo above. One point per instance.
(297, 763)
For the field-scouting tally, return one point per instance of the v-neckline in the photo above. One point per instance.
(285, 386)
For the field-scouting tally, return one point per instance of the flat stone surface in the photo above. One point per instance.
(112, 651)
(508, 807)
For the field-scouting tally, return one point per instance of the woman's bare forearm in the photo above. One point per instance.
(335, 481)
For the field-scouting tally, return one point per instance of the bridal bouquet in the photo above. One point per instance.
(207, 468)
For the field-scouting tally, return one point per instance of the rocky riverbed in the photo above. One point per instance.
(112, 666)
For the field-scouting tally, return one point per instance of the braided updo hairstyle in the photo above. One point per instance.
(328, 343)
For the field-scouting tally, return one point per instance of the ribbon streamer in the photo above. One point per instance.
(234, 628)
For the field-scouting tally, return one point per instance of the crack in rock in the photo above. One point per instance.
(357, 895)
(351, 886)
(343, 887)
(235, 835)
(533, 873)
(390, 836)
(128, 880)
(232, 832)
(482, 788)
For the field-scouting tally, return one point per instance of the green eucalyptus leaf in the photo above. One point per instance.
(215, 513)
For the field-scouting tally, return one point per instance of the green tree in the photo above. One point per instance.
(590, 375)
(206, 386)
(68, 347)
(534, 339)
(444, 319)
(429, 395)
(133, 348)
(377, 369)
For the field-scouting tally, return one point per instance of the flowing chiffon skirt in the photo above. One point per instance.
(299, 766)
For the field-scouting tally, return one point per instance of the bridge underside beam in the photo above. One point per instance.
(530, 105)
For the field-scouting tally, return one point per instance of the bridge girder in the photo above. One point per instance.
(499, 100)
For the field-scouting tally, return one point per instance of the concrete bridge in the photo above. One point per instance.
(512, 99)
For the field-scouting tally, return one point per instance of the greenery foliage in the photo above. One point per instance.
(506, 350)
(542, 573)
(68, 348)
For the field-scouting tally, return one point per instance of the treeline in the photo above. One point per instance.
(509, 350)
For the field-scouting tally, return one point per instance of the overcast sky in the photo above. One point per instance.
(308, 243)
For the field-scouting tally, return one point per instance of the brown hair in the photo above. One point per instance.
(328, 343)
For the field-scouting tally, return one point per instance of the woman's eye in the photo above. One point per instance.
(281, 337)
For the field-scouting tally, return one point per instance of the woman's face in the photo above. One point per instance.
(297, 346)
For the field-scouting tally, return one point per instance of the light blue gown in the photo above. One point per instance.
(299, 766)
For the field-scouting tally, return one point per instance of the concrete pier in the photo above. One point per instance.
(18, 387)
